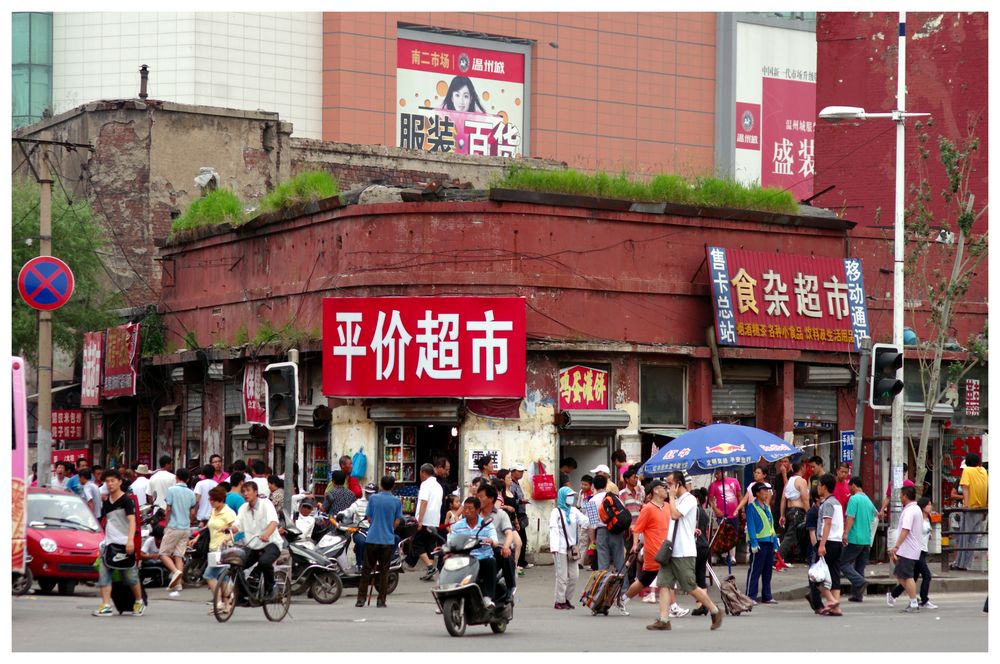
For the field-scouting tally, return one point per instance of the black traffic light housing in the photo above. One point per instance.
(887, 359)
(281, 395)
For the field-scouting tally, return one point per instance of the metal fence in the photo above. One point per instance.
(962, 540)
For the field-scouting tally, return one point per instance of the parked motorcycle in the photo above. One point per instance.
(458, 594)
(336, 544)
(312, 572)
(196, 559)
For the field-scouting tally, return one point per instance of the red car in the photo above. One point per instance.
(63, 539)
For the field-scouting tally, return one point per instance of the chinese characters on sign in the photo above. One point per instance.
(787, 135)
(476, 455)
(424, 347)
(67, 424)
(459, 99)
(847, 447)
(253, 393)
(90, 387)
(583, 388)
(972, 397)
(121, 361)
(782, 301)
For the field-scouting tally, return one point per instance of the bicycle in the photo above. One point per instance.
(236, 586)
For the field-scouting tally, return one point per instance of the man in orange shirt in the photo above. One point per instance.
(652, 524)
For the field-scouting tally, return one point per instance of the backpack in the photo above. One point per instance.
(613, 514)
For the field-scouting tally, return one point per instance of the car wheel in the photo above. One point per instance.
(67, 587)
(47, 585)
(22, 582)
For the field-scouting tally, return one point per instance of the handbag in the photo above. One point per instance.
(116, 557)
(666, 552)
(359, 464)
(572, 550)
(543, 484)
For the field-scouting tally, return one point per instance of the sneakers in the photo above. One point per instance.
(138, 608)
(174, 593)
(770, 601)
(429, 574)
(889, 599)
(529, 565)
(102, 611)
(624, 601)
(622, 611)
(560, 606)
(174, 576)
(928, 605)
(912, 608)
(360, 604)
(678, 612)
(659, 625)
(650, 598)
(716, 619)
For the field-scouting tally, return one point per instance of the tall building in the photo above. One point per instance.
(31, 67)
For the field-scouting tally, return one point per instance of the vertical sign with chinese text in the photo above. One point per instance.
(458, 99)
(424, 347)
(972, 397)
(787, 301)
(67, 424)
(90, 387)
(847, 446)
(121, 361)
(253, 392)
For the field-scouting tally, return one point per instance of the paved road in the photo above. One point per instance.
(43, 623)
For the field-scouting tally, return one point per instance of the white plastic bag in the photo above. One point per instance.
(820, 573)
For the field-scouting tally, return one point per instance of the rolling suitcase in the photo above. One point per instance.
(733, 600)
(604, 589)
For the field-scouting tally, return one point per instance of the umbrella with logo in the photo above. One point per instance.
(715, 447)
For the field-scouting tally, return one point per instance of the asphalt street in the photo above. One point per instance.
(54, 623)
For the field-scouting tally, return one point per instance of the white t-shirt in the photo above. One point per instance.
(431, 491)
(140, 487)
(684, 545)
(93, 493)
(263, 490)
(201, 490)
(254, 521)
(833, 510)
(158, 485)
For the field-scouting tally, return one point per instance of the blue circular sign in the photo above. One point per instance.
(45, 283)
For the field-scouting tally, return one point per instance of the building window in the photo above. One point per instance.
(662, 396)
(31, 70)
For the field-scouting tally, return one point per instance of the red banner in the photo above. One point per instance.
(67, 424)
(90, 387)
(424, 347)
(771, 300)
(459, 60)
(70, 455)
(583, 388)
(121, 361)
(253, 393)
(787, 131)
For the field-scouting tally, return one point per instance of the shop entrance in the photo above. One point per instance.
(589, 450)
(406, 446)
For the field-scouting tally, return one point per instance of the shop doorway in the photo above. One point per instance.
(405, 447)
(589, 450)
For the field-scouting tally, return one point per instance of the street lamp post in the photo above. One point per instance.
(836, 114)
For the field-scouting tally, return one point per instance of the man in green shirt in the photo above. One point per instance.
(857, 539)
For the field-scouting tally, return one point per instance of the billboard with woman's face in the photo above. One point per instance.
(458, 99)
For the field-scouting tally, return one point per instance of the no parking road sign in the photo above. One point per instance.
(45, 283)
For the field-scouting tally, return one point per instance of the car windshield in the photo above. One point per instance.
(60, 511)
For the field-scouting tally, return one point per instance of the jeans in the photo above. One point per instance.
(376, 556)
(971, 521)
(852, 563)
(265, 563)
(610, 550)
(761, 568)
(130, 576)
(924, 572)
(359, 547)
(567, 573)
(794, 517)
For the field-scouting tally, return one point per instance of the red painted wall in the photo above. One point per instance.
(946, 75)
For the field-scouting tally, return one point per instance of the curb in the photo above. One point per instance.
(882, 585)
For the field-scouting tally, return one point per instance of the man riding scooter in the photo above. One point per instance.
(487, 495)
(353, 517)
(472, 525)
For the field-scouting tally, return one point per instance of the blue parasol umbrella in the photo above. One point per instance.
(716, 446)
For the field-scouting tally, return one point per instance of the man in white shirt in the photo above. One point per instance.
(162, 480)
(201, 490)
(140, 485)
(680, 569)
(259, 477)
(91, 494)
(429, 517)
(258, 521)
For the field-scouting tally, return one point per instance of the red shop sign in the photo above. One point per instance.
(424, 347)
(67, 424)
(121, 361)
(583, 388)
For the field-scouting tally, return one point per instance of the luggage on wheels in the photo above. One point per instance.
(604, 589)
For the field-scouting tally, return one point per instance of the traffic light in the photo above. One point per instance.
(887, 359)
(281, 395)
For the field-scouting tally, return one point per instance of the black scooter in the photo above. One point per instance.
(312, 572)
(458, 594)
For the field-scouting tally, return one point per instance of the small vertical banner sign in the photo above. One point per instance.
(253, 393)
(121, 361)
(972, 397)
(90, 388)
(583, 388)
(67, 424)
(847, 446)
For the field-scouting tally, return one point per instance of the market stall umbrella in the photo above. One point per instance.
(716, 446)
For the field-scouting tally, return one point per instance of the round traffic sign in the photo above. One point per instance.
(45, 283)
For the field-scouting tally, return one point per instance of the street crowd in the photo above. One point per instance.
(659, 535)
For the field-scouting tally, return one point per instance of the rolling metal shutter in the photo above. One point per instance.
(234, 399)
(192, 409)
(816, 405)
(738, 399)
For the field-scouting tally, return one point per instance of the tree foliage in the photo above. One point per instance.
(80, 242)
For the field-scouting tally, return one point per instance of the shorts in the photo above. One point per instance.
(679, 571)
(646, 577)
(904, 568)
(424, 541)
(104, 578)
(174, 542)
(213, 573)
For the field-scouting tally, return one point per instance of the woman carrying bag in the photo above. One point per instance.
(564, 542)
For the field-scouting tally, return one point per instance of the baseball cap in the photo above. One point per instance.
(519, 466)
(308, 502)
(600, 469)
(654, 484)
(761, 486)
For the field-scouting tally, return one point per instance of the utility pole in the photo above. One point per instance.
(291, 436)
(859, 416)
(44, 434)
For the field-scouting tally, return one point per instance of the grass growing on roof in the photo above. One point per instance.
(306, 187)
(708, 192)
(217, 207)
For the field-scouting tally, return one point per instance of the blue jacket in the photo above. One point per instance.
(755, 524)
